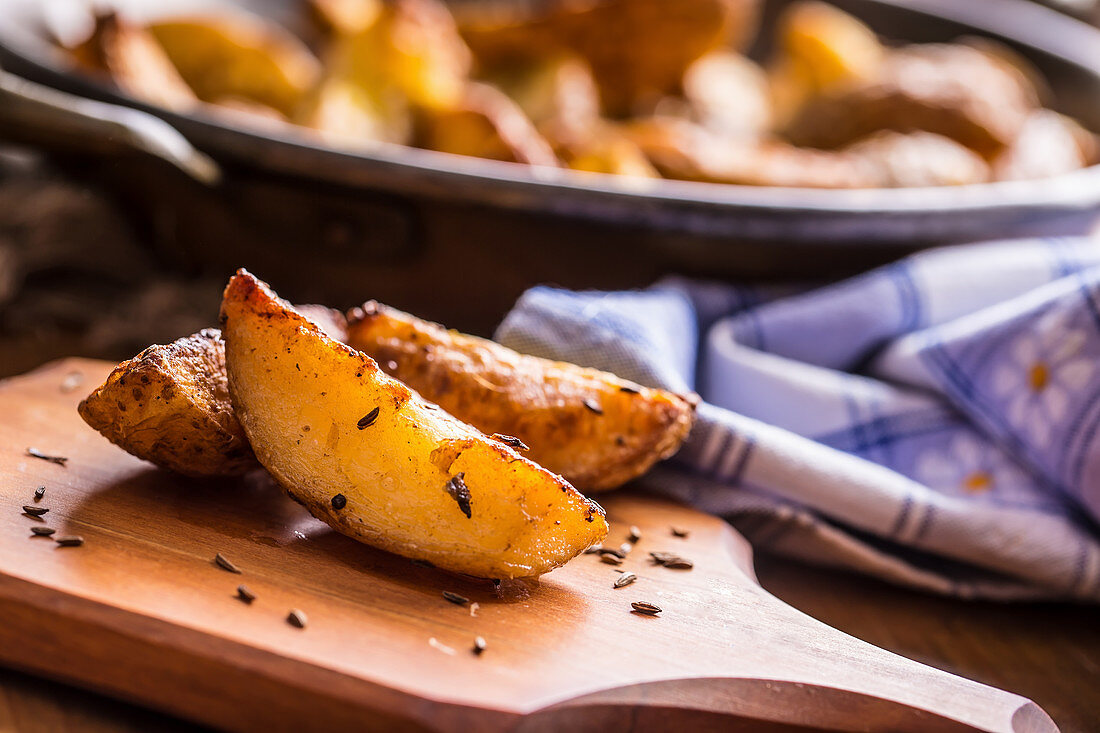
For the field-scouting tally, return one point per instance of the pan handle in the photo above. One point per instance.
(36, 114)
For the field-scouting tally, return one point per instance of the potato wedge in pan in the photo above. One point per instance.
(821, 48)
(135, 62)
(595, 429)
(971, 96)
(484, 123)
(638, 49)
(372, 459)
(170, 405)
(379, 69)
(239, 55)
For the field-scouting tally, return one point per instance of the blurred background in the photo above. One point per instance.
(102, 255)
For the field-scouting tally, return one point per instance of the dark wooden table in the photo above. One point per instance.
(1048, 652)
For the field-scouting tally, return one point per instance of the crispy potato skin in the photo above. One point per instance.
(170, 405)
(324, 419)
(595, 429)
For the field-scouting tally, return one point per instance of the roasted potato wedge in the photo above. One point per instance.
(638, 49)
(170, 405)
(239, 55)
(326, 422)
(379, 70)
(135, 62)
(560, 98)
(969, 95)
(485, 123)
(595, 429)
(820, 48)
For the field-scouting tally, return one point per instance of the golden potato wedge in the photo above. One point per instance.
(560, 98)
(967, 94)
(371, 458)
(820, 48)
(605, 150)
(407, 55)
(484, 124)
(638, 49)
(170, 405)
(239, 55)
(595, 429)
(135, 62)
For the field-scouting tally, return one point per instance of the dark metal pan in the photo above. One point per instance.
(398, 218)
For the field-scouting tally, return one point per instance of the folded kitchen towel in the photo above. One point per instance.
(935, 422)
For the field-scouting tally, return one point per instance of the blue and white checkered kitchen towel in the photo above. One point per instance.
(935, 422)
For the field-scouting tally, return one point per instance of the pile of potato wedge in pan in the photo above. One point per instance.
(397, 432)
(642, 88)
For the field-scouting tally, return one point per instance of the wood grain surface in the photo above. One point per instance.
(142, 612)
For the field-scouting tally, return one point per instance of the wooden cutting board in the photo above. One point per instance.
(141, 611)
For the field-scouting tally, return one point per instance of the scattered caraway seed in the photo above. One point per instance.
(245, 594)
(43, 531)
(367, 420)
(611, 559)
(612, 551)
(679, 532)
(34, 511)
(223, 562)
(479, 645)
(39, 493)
(510, 441)
(296, 618)
(671, 560)
(437, 644)
(593, 549)
(70, 540)
(455, 598)
(339, 502)
(35, 453)
(473, 609)
(628, 389)
(644, 608)
(458, 490)
(635, 534)
(625, 548)
(593, 406)
(624, 580)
